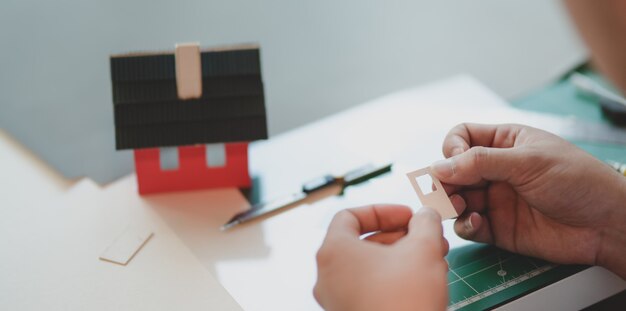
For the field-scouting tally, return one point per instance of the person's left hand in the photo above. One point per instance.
(399, 267)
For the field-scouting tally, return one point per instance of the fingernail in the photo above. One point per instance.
(458, 202)
(457, 151)
(428, 212)
(443, 168)
(468, 224)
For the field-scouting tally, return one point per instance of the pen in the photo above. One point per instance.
(309, 189)
(619, 167)
(587, 86)
(612, 104)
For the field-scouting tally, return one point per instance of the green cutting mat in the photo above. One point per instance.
(483, 277)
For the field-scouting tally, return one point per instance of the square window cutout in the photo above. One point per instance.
(425, 182)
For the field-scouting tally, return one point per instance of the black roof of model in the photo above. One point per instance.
(148, 112)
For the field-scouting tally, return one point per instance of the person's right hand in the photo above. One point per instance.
(531, 192)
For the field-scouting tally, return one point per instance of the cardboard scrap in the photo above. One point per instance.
(437, 199)
(188, 71)
(127, 245)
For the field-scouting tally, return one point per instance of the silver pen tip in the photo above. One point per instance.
(229, 225)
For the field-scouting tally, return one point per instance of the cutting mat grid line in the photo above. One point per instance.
(473, 273)
(491, 259)
(482, 277)
(499, 288)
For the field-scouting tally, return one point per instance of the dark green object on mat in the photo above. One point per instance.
(561, 98)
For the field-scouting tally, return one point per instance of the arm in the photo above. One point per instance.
(531, 192)
(602, 25)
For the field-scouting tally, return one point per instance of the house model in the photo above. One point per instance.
(189, 115)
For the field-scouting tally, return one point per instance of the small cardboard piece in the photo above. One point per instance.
(437, 199)
(127, 245)
(188, 71)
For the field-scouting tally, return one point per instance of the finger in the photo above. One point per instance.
(354, 222)
(456, 141)
(474, 227)
(477, 165)
(458, 203)
(452, 189)
(475, 200)
(317, 294)
(386, 237)
(464, 136)
(468, 201)
(425, 226)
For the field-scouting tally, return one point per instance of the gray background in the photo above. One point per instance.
(318, 57)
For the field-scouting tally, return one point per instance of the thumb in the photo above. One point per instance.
(477, 164)
(426, 230)
(425, 225)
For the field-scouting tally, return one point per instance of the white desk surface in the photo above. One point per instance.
(52, 232)
(270, 264)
